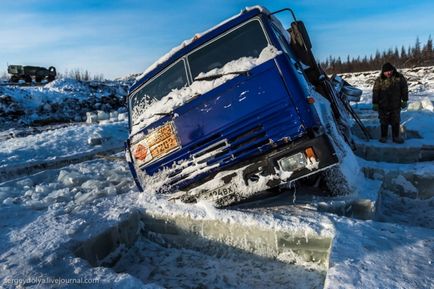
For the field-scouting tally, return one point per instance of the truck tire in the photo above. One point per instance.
(335, 182)
(14, 79)
(51, 74)
(27, 78)
(328, 183)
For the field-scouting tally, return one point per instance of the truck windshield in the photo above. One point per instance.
(246, 41)
(173, 78)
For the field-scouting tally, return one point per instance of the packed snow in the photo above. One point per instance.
(420, 83)
(67, 141)
(62, 100)
(47, 213)
(57, 147)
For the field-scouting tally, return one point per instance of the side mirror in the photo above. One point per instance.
(298, 28)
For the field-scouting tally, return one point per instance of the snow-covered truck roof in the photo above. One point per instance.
(199, 39)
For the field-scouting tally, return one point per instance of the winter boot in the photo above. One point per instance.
(395, 134)
(384, 129)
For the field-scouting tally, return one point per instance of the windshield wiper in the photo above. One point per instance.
(171, 114)
(218, 75)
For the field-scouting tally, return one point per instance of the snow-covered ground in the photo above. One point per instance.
(49, 209)
(63, 142)
(420, 82)
(62, 100)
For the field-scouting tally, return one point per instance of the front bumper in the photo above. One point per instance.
(267, 165)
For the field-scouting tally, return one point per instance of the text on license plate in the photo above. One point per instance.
(164, 146)
(223, 190)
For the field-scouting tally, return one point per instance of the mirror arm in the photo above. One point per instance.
(285, 9)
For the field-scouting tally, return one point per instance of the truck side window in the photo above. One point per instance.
(285, 46)
(246, 41)
(282, 41)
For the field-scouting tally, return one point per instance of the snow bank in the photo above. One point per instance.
(308, 225)
(145, 113)
(62, 100)
(57, 143)
(227, 268)
(65, 85)
(348, 166)
(380, 255)
(72, 186)
(420, 83)
(421, 122)
(423, 104)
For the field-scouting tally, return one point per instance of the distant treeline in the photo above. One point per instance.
(73, 73)
(81, 75)
(417, 55)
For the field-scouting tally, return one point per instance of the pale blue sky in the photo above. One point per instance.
(116, 38)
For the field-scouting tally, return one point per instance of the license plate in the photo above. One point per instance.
(164, 147)
(162, 141)
(156, 144)
(224, 190)
(160, 134)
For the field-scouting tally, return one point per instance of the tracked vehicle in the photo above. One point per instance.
(29, 73)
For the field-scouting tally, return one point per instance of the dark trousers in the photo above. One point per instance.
(390, 117)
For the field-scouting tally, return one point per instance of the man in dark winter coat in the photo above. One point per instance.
(390, 94)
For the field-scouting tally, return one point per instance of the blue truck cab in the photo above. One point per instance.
(229, 113)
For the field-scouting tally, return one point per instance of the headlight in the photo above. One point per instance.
(293, 163)
(306, 159)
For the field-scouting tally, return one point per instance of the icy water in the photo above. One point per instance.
(223, 268)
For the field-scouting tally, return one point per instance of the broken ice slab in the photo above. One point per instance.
(91, 117)
(362, 209)
(123, 116)
(407, 199)
(95, 139)
(102, 115)
(263, 242)
(100, 246)
(374, 131)
(421, 177)
(216, 237)
(393, 153)
(114, 115)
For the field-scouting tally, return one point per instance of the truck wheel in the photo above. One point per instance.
(335, 182)
(28, 79)
(14, 79)
(328, 183)
(38, 79)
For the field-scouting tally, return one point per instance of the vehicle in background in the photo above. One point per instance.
(27, 74)
(234, 112)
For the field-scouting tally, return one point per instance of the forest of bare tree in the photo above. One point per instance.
(417, 55)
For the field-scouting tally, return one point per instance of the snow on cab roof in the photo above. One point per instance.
(195, 41)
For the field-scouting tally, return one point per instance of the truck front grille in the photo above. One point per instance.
(233, 145)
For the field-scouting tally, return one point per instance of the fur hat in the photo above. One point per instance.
(387, 67)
